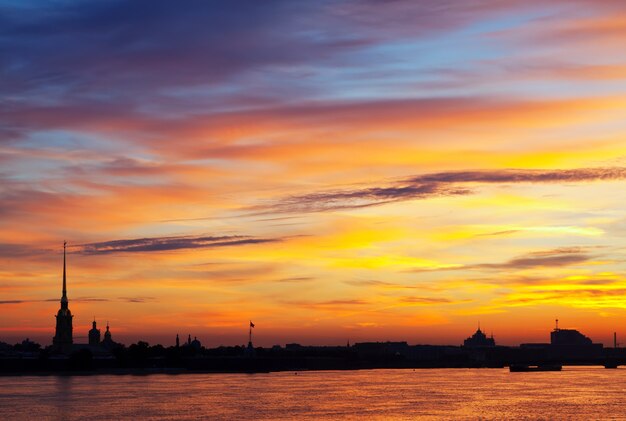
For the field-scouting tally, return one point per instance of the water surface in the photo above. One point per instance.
(574, 393)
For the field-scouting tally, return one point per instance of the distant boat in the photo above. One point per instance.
(516, 368)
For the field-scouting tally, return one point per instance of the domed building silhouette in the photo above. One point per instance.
(107, 342)
(479, 340)
(94, 334)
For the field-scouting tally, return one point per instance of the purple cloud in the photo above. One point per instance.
(156, 244)
(434, 185)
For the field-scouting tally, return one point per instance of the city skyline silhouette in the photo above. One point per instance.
(63, 340)
(101, 356)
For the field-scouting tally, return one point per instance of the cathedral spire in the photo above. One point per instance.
(64, 297)
(62, 340)
(64, 274)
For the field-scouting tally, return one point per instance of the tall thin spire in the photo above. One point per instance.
(63, 335)
(64, 296)
(64, 274)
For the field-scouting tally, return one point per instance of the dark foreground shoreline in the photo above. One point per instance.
(143, 359)
(25, 367)
(68, 367)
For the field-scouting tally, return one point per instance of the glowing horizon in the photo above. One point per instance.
(332, 171)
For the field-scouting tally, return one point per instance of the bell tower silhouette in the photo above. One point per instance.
(62, 340)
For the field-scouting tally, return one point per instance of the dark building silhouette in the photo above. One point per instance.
(195, 344)
(94, 334)
(377, 349)
(568, 337)
(62, 340)
(98, 348)
(191, 347)
(479, 340)
(108, 342)
(567, 344)
(573, 344)
(63, 343)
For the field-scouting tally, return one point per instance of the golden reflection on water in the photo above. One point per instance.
(574, 393)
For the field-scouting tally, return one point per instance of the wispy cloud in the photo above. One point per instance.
(156, 244)
(137, 299)
(435, 185)
(295, 279)
(559, 257)
(87, 299)
(8, 250)
(372, 283)
(610, 297)
(498, 233)
(328, 304)
(50, 300)
(426, 300)
(548, 258)
(525, 176)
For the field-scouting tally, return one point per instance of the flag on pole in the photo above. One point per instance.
(251, 324)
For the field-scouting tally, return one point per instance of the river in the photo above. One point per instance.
(574, 393)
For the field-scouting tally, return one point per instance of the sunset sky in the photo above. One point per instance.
(331, 170)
